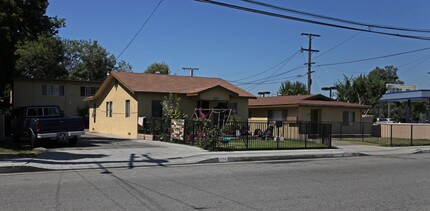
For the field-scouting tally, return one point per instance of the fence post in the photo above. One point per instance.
(193, 133)
(412, 134)
(329, 140)
(340, 126)
(307, 134)
(362, 131)
(153, 127)
(391, 135)
(247, 136)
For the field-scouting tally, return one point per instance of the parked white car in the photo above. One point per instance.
(385, 120)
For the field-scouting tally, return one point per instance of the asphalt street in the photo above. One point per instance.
(357, 183)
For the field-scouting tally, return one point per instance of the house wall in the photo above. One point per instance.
(260, 114)
(331, 115)
(189, 103)
(328, 114)
(118, 124)
(29, 92)
(215, 94)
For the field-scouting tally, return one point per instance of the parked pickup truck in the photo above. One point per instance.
(38, 123)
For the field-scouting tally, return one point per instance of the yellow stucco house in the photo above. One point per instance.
(124, 97)
(308, 108)
(67, 94)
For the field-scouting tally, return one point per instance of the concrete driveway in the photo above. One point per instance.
(97, 151)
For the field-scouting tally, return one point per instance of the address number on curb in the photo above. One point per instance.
(222, 159)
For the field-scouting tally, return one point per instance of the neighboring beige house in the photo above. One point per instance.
(307, 108)
(123, 97)
(67, 94)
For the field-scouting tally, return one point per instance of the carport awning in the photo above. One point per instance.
(406, 95)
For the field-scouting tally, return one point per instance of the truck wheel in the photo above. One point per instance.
(73, 141)
(32, 140)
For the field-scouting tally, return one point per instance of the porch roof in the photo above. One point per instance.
(406, 95)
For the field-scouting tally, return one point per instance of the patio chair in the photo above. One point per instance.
(268, 133)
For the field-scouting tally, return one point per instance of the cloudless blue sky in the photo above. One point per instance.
(233, 44)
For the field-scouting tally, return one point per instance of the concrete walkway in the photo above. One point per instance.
(114, 152)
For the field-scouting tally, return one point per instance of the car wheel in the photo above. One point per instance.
(73, 141)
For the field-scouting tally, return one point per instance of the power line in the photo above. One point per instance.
(411, 62)
(274, 81)
(373, 58)
(264, 71)
(310, 21)
(407, 70)
(274, 76)
(276, 70)
(338, 19)
(141, 27)
(343, 42)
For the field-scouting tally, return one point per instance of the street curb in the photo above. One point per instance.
(220, 159)
(422, 151)
(225, 159)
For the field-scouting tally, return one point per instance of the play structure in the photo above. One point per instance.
(219, 116)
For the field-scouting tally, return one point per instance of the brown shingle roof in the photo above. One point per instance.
(159, 83)
(304, 100)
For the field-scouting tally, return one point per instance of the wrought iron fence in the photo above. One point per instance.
(242, 135)
(390, 134)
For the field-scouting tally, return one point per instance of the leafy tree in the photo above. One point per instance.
(41, 58)
(366, 89)
(289, 88)
(87, 60)
(345, 90)
(20, 21)
(388, 74)
(171, 107)
(161, 68)
(123, 66)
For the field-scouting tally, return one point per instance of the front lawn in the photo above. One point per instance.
(13, 149)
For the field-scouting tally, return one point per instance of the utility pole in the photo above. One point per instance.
(310, 63)
(329, 89)
(191, 69)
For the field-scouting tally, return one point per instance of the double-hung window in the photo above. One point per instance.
(52, 90)
(348, 118)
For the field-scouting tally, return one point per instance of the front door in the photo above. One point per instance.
(315, 120)
(315, 115)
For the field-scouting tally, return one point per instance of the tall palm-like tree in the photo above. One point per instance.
(292, 88)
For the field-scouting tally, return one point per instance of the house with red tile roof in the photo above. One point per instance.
(124, 97)
(306, 108)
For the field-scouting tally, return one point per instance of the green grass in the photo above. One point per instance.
(262, 144)
(387, 141)
(13, 149)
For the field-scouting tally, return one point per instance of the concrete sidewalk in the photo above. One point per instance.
(154, 153)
